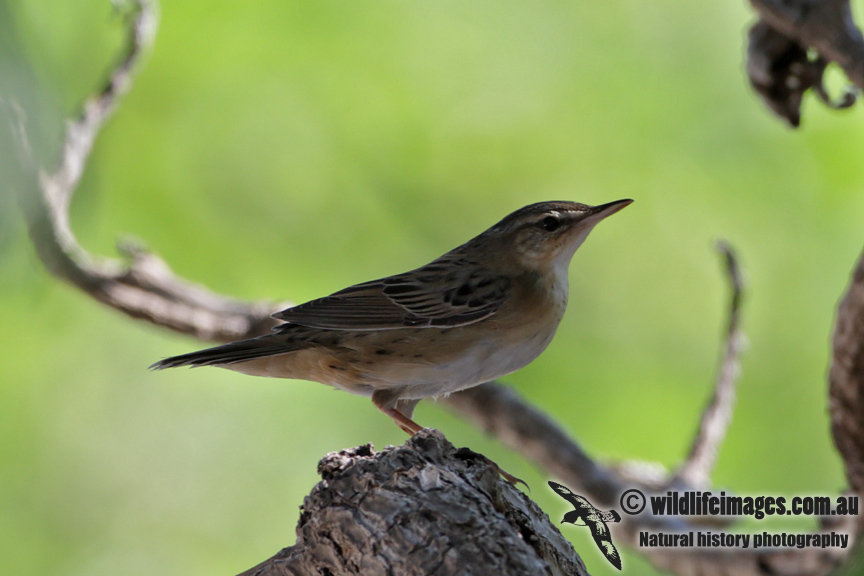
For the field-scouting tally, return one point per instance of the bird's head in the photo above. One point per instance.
(549, 233)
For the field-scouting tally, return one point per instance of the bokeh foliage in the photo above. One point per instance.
(284, 149)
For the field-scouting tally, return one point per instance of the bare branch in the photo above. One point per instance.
(696, 469)
(503, 414)
(144, 287)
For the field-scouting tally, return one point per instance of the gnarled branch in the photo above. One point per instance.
(846, 377)
(144, 287)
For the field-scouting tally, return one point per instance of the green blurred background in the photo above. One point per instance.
(283, 150)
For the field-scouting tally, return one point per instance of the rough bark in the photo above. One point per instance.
(420, 509)
(846, 390)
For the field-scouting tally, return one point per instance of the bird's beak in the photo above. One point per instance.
(586, 222)
(605, 210)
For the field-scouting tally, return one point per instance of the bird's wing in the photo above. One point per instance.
(580, 502)
(450, 291)
(604, 541)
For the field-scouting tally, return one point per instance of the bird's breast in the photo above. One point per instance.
(507, 341)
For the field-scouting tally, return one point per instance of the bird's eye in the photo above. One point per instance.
(550, 223)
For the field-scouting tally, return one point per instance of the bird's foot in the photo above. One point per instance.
(513, 480)
(410, 427)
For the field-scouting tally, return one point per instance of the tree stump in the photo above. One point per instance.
(420, 509)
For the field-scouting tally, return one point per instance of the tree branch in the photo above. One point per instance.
(144, 287)
(846, 380)
(696, 469)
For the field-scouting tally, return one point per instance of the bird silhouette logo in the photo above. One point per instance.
(584, 514)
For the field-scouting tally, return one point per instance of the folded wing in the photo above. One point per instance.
(446, 293)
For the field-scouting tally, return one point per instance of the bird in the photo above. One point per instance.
(587, 515)
(481, 311)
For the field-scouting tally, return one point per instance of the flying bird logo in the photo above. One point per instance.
(584, 514)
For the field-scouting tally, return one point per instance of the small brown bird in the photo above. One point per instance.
(480, 311)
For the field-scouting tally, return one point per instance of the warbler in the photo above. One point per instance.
(479, 312)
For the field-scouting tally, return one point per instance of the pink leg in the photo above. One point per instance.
(385, 400)
(402, 421)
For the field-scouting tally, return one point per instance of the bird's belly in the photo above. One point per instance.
(421, 362)
(473, 364)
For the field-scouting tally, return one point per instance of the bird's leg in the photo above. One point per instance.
(386, 400)
(402, 421)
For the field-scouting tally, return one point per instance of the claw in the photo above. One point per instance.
(513, 480)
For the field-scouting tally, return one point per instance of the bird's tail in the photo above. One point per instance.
(227, 353)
